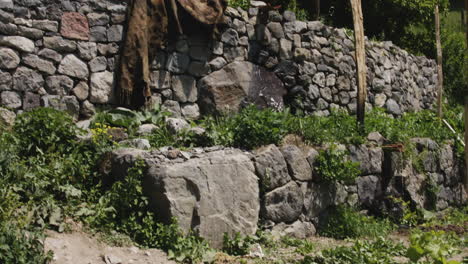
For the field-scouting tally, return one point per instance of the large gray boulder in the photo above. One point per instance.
(239, 84)
(214, 193)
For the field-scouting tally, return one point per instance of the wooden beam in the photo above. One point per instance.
(360, 61)
(440, 76)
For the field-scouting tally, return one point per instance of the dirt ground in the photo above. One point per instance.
(82, 248)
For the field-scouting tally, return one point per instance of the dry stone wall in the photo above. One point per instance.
(217, 190)
(63, 54)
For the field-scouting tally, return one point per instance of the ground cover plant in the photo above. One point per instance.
(49, 172)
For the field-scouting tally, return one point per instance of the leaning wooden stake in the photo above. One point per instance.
(440, 85)
(360, 62)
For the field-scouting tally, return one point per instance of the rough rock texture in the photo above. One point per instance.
(263, 58)
(74, 26)
(239, 84)
(204, 194)
(216, 190)
(271, 167)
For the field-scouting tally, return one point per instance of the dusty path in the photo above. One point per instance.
(81, 248)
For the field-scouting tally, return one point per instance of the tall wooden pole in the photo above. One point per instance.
(440, 85)
(317, 9)
(466, 105)
(360, 62)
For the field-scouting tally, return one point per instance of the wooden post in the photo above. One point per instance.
(466, 105)
(440, 83)
(360, 62)
(317, 9)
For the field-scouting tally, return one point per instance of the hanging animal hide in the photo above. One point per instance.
(147, 31)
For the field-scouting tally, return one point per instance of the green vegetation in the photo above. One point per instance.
(379, 251)
(237, 245)
(345, 222)
(433, 247)
(331, 166)
(48, 174)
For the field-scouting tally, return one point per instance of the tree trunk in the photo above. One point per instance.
(360, 62)
(440, 76)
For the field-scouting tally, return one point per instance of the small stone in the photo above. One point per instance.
(39, 64)
(115, 33)
(87, 50)
(285, 49)
(81, 91)
(160, 80)
(393, 107)
(5, 81)
(298, 165)
(7, 117)
(74, 67)
(184, 88)
(50, 54)
(98, 34)
(26, 79)
(59, 85)
(191, 111)
(59, 44)
(376, 137)
(74, 26)
(319, 79)
(146, 129)
(31, 33)
(87, 109)
(98, 64)
(101, 87)
(9, 59)
(217, 63)
(18, 43)
(276, 29)
(289, 16)
(46, 25)
(172, 107)
(10, 99)
(31, 101)
(139, 143)
(108, 49)
(98, 19)
(178, 62)
(176, 125)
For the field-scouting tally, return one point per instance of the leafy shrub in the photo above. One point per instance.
(21, 246)
(344, 222)
(379, 251)
(332, 166)
(455, 58)
(433, 246)
(303, 246)
(237, 245)
(45, 130)
(250, 128)
(244, 4)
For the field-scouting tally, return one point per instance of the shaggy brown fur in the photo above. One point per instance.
(147, 30)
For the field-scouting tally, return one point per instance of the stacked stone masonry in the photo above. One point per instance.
(63, 54)
(217, 190)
